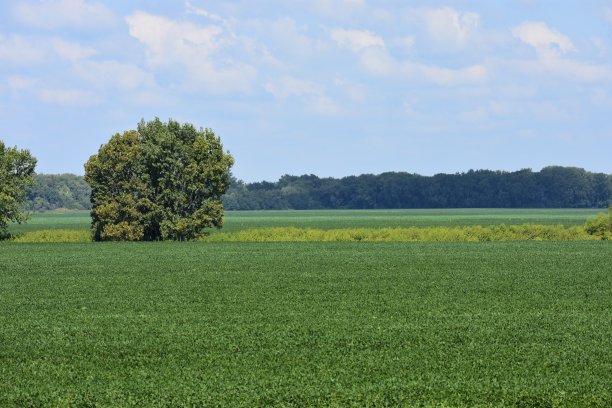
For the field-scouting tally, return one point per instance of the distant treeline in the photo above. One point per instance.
(552, 187)
(53, 191)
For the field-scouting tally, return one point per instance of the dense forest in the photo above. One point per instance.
(53, 191)
(552, 187)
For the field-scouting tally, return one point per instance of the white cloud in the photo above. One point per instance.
(353, 91)
(68, 97)
(115, 74)
(547, 41)
(370, 47)
(36, 87)
(574, 71)
(447, 26)
(196, 49)
(289, 38)
(19, 83)
(168, 40)
(552, 47)
(450, 77)
(600, 45)
(356, 40)
(71, 51)
(324, 105)
(51, 14)
(287, 86)
(608, 15)
(198, 11)
(377, 61)
(338, 8)
(313, 94)
(18, 50)
(407, 42)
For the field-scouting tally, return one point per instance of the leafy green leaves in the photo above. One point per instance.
(163, 181)
(16, 174)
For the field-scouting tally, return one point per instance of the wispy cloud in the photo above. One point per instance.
(446, 27)
(16, 49)
(377, 60)
(287, 86)
(545, 40)
(28, 51)
(356, 40)
(202, 12)
(51, 14)
(68, 97)
(194, 48)
(552, 48)
(338, 8)
(34, 87)
(311, 93)
(608, 14)
(114, 74)
(71, 51)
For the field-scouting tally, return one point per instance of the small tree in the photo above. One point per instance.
(16, 174)
(162, 181)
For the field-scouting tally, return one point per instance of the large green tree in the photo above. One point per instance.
(16, 175)
(161, 181)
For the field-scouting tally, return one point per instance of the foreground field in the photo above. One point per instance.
(166, 324)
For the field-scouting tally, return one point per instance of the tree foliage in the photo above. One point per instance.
(16, 170)
(161, 181)
(53, 191)
(552, 187)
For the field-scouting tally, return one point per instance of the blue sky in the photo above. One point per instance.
(325, 87)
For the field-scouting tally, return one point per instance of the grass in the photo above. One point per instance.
(379, 226)
(52, 220)
(335, 219)
(342, 219)
(308, 324)
(525, 232)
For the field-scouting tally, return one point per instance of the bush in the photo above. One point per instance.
(600, 226)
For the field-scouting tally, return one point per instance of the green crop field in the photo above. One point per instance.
(306, 324)
(331, 219)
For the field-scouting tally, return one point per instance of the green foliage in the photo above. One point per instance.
(57, 191)
(600, 226)
(163, 181)
(306, 324)
(552, 187)
(16, 170)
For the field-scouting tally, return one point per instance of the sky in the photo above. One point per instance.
(325, 87)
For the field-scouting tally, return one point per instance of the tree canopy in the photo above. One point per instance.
(16, 170)
(552, 187)
(161, 181)
(53, 191)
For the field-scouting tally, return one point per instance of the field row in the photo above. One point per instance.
(335, 219)
(163, 324)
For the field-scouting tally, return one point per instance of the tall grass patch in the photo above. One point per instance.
(527, 232)
(54, 235)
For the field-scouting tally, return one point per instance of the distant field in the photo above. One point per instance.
(332, 219)
(235, 324)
